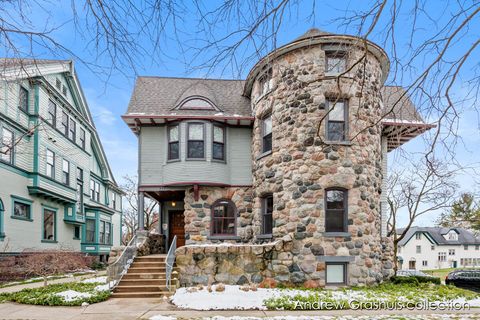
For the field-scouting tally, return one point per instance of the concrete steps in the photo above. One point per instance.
(146, 278)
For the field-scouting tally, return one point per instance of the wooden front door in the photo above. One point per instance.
(177, 227)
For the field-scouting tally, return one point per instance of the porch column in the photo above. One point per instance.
(141, 210)
(160, 217)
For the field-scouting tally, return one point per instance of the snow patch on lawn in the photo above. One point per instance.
(160, 317)
(71, 295)
(105, 287)
(96, 279)
(231, 298)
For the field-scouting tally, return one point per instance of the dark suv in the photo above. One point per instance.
(467, 279)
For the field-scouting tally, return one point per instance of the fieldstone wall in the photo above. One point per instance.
(198, 213)
(303, 164)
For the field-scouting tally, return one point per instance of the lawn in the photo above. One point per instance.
(441, 273)
(64, 294)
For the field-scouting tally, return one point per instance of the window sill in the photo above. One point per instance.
(341, 143)
(49, 241)
(263, 155)
(219, 161)
(21, 218)
(264, 236)
(173, 160)
(337, 234)
(223, 237)
(196, 159)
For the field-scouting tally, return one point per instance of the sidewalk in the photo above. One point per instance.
(147, 308)
(39, 284)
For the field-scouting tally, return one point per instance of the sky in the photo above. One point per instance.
(108, 94)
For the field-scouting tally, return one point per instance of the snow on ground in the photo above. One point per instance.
(71, 295)
(96, 279)
(105, 287)
(231, 298)
(159, 317)
(472, 303)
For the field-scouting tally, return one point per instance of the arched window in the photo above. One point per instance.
(224, 216)
(2, 209)
(336, 213)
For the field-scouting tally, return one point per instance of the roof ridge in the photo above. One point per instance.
(187, 78)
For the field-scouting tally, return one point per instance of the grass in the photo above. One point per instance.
(47, 296)
(40, 279)
(363, 297)
(441, 273)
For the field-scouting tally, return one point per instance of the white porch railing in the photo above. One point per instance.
(170, 261)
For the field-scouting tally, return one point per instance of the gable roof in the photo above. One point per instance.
(437, 234)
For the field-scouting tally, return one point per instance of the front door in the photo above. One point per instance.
(177, 227)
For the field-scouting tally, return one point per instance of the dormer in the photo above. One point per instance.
(451, 235)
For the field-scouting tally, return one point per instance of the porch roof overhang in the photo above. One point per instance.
(399, 132)
(49, 195)
(138, 120)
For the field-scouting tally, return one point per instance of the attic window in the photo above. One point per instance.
(197, 104)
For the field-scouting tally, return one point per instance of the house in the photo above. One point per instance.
(425, 248)
(278, 177)
(57, 190)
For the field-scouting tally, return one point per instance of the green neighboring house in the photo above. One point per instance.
(56, 187)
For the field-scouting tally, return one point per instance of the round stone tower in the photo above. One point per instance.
(317, 148)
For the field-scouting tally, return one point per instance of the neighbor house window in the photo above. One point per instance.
(22, 210)
(82, 138)
(418, 236)
(451, 252)
(337, 120)
(49, 225)
(52, 113)
(465, 247)
(424, 263)
(72, 130)
(419, 249)
(265, 82)
(23, 99)
(218, 148)
(173, 143)
(58, 84)
(64, 90)
(95, 190)
(432, 247)
(90, 231)
(65, 172)
(7, 146)
(114, 200)
(267, 134)
(64, 123)
(442, 256)
(50, 164)
(336, 273)
(196, 143)
(223, 218)
(477, 247)
(336, 210)
(335, 63)
(267, 210)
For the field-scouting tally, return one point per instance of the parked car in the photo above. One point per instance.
(410, 273)
(467, 279)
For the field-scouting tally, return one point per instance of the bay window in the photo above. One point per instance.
(218, 148)
(196, 141)
(173, 143)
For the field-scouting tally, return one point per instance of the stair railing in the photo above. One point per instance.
(119, 268)
(169, 262)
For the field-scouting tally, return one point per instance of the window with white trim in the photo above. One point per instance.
(50, 164)
(65, 172)
(196, 141)
(336, 273)
(174, 142)
(7, 146)
(218, 147)
(337, 120)
(52, 113)
(267, 134)
(335, 63)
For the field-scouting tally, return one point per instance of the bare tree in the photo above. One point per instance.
(130, 211)
(422, 188)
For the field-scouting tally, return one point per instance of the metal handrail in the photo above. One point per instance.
(170, 261)
(119, 268)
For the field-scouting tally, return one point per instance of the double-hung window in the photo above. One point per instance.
(95, 190)
(223, 218)
(265, 82)
(336, 216)
(90, 231)
(49, 225)
(7, 145)
(102, 232)
(108, 227)
(72, 132)
(267, 211)
(114, 200)
(64, 124)
(267, 134)
(196, 141)
(23, 99)
(52, 113)
(65, 172)
(336, 63)
(218, 148)
(173, 143)
(50, 164)
(82, 138)
(337, 120)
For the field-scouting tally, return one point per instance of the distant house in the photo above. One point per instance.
(56, 187)
(290, 158)
(436, 248)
